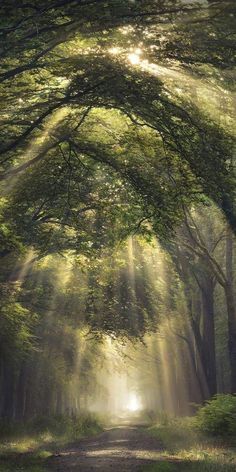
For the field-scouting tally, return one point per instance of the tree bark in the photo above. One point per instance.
(230, 301)
(209, 351)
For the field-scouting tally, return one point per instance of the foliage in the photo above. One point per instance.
(16, 326)
(186, 449)
(68, 89)
(218, 416)
(57, 426)
(27, 446)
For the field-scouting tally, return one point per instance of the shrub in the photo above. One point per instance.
(72, 427)
(59, 425)
(153, 417)
(149, 416)
(218, 416)
(9, 428)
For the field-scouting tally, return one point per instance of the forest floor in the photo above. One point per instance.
(172, 447)
(156, 449)
(124, 448)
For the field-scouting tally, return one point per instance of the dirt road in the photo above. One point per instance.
(119, 449)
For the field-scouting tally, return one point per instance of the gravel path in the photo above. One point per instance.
(119, 449)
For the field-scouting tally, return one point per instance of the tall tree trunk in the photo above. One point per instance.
(196, 354)
(193, 301)
(209, 351)
(21, 392)
(8, 391)
(230, 301)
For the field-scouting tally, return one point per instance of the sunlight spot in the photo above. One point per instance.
(126, 29)
(114, 51)
(64, 81)
(134, 59)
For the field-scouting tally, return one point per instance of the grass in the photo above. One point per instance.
(29, 449)
(186, 450)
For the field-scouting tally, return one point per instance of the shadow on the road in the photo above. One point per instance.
(124, 449)
(119, 449)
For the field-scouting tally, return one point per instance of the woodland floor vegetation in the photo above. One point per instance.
(28, 447)
(186, 449)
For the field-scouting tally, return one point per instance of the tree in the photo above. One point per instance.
(194, 240)
(107, 80)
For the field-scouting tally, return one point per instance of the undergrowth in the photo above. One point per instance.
(27, 447)
(185, 448)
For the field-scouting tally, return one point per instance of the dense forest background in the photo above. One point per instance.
(117, 208)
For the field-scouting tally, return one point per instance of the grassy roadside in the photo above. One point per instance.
(30, 447)
(185, 449)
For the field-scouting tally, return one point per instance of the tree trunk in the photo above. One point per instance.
(231, 334)
(195, 351)
(209, 352)
(230, 301)
(8, 392)
(193, 302)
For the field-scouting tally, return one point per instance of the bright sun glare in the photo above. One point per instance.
(134, 59)
(133, 403)
(134, 56)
